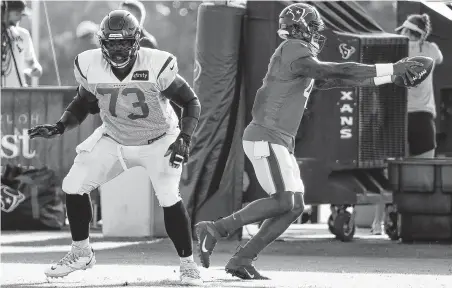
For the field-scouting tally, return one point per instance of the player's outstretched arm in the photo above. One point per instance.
(84, 103)
(352, 82)
(313, 68)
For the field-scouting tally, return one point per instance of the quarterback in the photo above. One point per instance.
(131, 88)
(269, 139)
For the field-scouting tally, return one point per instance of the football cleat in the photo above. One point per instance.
(189, 274)
(244, 269)
(377, 230)
(207, 236)
(76, 259)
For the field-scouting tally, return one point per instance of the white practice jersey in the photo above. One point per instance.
(133, 110)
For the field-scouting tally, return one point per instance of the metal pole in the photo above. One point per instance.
(35, 26)
(49, 29)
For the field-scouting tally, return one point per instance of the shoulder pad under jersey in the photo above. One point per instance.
(148, 40)
(82, 63)
(292, 50)
(163, 65)
(145, 42)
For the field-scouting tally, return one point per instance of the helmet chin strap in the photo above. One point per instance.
(120, 66)
(126, 64)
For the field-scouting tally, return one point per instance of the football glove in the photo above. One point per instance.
(46, 130)
(179, 150)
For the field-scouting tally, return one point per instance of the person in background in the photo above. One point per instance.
(421, 99)
(18, 54)
(86, 33)
(137, 9)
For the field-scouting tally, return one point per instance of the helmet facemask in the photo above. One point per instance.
(317, 42)
(282, 32)
(119, 52)
(312, 37)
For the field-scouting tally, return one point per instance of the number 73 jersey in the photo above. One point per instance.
(133, 110)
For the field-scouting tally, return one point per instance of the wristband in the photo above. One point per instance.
(384, 69)
(60, 126)
(382, 80)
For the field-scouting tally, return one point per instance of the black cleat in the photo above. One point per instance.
(243, 269)
(207, 236)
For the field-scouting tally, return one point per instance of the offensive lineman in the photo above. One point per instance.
(131, 88)
(269, 139)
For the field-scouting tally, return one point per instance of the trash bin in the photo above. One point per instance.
(130, 208)
(422, 193)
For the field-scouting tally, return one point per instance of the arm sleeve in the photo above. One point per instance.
(84, 103)
(183, 96)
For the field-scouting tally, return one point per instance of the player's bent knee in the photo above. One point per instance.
(74, 183)
(76, 188)
(168, 200)
(298, 203)
(285, 199)
(70, 185)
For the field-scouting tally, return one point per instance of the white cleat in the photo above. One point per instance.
(189, 274)
(76, 259)
(377, 230)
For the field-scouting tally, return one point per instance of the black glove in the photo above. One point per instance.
(46, 130)
(179, 150)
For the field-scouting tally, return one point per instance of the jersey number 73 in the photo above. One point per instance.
(114, 93)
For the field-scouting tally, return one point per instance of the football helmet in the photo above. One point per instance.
(119, 36)
(302, 21)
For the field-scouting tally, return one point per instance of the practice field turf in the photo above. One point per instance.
(308, 257)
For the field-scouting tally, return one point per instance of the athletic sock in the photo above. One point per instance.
(187, 259)
(228, 225)
(252, 248)
(83, 244)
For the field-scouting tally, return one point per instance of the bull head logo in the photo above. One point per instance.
(299, 15)
(346, 51)
(11, 198)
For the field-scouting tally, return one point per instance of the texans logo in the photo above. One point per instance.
(11, 198)
(346, 51)
(421, 74)
(299, 15)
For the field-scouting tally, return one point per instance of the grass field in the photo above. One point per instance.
(308, 257)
